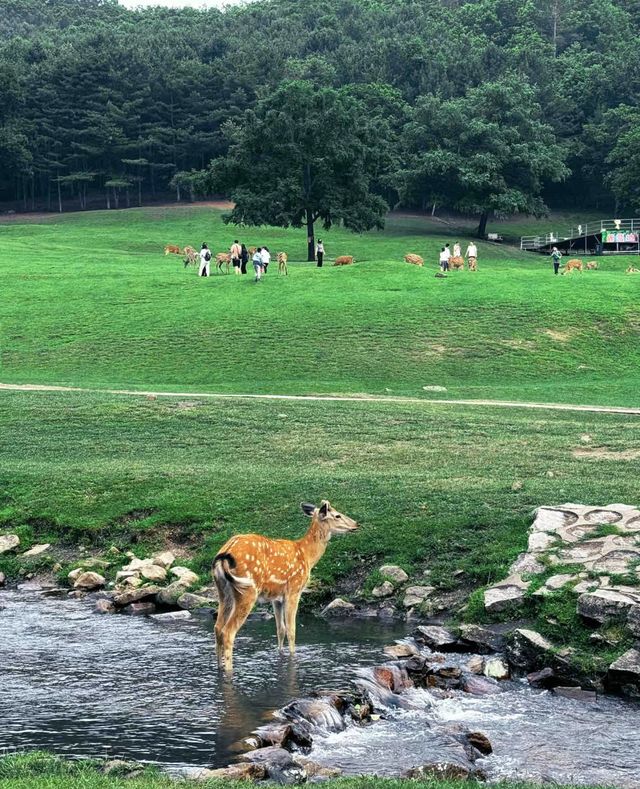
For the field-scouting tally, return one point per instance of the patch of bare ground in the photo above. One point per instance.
(559, 336)
(602, 453)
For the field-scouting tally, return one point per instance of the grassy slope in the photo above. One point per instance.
(92, 301)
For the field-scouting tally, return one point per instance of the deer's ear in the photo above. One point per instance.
(308, 509)
(324, 509)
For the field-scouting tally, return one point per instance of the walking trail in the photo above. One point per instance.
(599, 409)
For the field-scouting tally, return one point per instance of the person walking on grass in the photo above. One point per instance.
(457, 251)
(266, 259)
(444, 259)
(556, 257)
(257, 264)
(472, 256)
(205, 261)
(320, 253)
(236, 256)
(244, 259)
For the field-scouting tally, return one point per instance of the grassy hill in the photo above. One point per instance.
(90, 300)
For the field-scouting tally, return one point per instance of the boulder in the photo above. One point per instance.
(172, 616)
(394, 573)
(384, 590)
(104, 607)
(191, 602)
(37, 550)
(482, 639)
(164, 559)
(278, 764)
(435, 637)
(480, 686)
(505, 594)
(171, 594)
(234, 772)
(496, 668)
(338, 607)
(133, 582)
(528, 650)
(186, 576)
(545, 678)
(135, 595)
(577, 694)
(154, 573)
(475, 664)
(415, 595)
(89, 580)
(8, 542)
(558, 581)
(123, 575)
(633, 620)
(624, 673)
(401, 650)
(607, 603)
(137, 564)
(480, 742)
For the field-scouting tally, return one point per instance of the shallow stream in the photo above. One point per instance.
(82, 684)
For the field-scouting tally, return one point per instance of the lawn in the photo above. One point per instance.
(90, 300)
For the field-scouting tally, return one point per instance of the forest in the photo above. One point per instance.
(485, 107)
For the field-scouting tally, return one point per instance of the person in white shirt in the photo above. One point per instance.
(444, 259)
(205, 261)
(472, 256)
(320, 252)
(457, 252)
(257, 263)
(266, 259)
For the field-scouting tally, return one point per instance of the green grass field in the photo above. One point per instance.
(90, 300)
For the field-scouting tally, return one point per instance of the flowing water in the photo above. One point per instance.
(86, 685)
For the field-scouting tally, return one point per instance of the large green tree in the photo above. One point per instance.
(304, 154)
(489, 151)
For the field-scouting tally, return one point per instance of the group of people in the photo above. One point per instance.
(446, 254)
(239, 257)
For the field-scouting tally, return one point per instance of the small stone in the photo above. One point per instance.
(172, 616)
(140, 609)
(414, 595)
(56, 567)
(558, 581)
(436, 637)
(434, 388)
(191, 602)
(89, 580)
(496, 668)
(480, 742)
(104, 607)
(475, 664)
(338, 607)
(186, 576)
(507, 593)
(154, 573)
(394, 573)
(550, 474)
(517, 485)
(585, 438)
(122, 575)
(133, 582)
(384, 590)
(577, 694)
(135, 595)
(8, 542)
(137, 564)
(401, 650)
(480, 686)
(37, 550)
(164, 559)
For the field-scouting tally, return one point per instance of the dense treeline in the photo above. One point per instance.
(489, 105)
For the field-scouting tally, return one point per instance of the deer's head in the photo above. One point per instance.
(330, 520)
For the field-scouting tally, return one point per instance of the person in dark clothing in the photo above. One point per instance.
(244, 259)
(556, 257)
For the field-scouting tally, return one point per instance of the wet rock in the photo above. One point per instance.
(480, 742)
(415, 595)
(338, 607)
(384, 590)
(283, 735)
(186, 576)
(8, 542)
(577, 694)
(172, 616)
(37, 550)
(171, 594)
(475, 665)
(607, 603)
(319, 713)
(482, 639)
(441, 771)
(545, 678)
(387, 613)
(435, 637)
(139, 609)
(104, 607)
(192, 602)
(2, 579)
(496, 668)
(528, 650)
(234, 772)
(89, 580)
(164, 559)
(392, 678)
(402, 649)
(624, 673)
(154, 573)
(394, 573)
(480, 686)
(278, 764)
(135, 595)
(506, 593)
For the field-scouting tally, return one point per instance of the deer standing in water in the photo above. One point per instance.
(250, 567)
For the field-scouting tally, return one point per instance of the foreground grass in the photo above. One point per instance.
(44, 771)
(90, 300)
(435, 487)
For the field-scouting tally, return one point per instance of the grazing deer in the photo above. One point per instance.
(416, 260)
(344, 260)
(573, 265)
(171, 249)
(282, 263)
(191, 257)
(632, 270)
(456, 263)
(223, 258)
(250, 566)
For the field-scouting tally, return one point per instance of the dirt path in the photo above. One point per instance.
(598, 409)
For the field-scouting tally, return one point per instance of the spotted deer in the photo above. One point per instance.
(250, 567)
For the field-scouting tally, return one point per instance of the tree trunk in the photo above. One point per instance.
(59, 199)
(178, 195)
(108, 198)
(311, 241)
(482, 227)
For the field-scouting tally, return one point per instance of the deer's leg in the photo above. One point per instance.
(290, 613)
(244, 604)
(278, 612)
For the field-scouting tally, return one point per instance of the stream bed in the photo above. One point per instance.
(81, 684)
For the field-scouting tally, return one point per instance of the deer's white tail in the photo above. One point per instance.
(228, 584)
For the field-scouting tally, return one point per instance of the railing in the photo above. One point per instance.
(613, 226)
